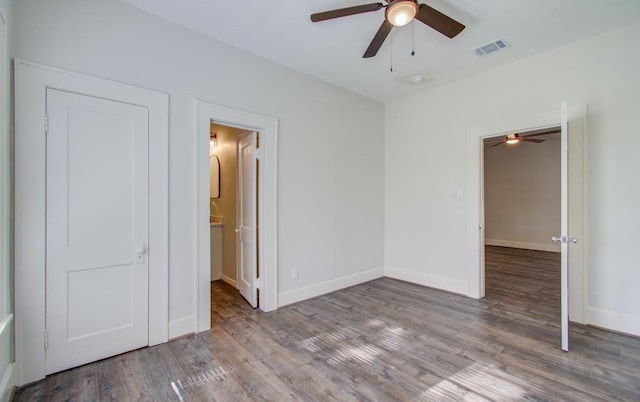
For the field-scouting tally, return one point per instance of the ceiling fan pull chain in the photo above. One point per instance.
(413, 37)
(391, 52)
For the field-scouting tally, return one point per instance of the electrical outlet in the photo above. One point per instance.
(294, 273)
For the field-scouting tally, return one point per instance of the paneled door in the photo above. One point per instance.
(96, 229)
(247, 230)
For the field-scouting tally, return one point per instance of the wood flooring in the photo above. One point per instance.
(384, 340)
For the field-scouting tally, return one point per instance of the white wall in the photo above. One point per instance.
(7, 379)
(330, 186)
(522, 194)
(426, 139)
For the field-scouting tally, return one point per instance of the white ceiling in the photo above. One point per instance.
(281, 31)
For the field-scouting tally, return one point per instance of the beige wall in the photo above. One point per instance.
(522, 194)
(225, 206)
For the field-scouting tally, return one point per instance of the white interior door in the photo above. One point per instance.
(247, 222)
(564, 239)
(97, 229)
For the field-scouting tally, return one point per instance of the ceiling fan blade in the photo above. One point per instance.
(378, 39)
(438, 21)
(343, 12)
(541, 132)
(532, 140)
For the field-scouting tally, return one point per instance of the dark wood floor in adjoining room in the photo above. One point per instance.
(524, 284)
(384, 340)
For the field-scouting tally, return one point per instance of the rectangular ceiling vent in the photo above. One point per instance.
(491, 47)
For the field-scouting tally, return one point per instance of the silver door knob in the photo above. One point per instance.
(564, 239)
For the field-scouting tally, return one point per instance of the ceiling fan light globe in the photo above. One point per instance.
(401, 12)
(512, 139)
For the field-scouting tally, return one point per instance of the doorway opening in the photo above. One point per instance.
(521, 208)
(233, 208)
(264, 219)
(573, 275)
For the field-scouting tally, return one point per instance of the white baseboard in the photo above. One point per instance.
(519, 244)
(296, 295)
(9, 381)
(8, 371)
(619, 322)
(230, 281)
(182, 326)
(432, 281)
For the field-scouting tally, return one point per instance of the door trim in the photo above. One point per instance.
(267, 127)
(475, 207)
(31, 81)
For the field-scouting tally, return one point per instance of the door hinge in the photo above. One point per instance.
(257, 153)
(46, 339)
(46, 123)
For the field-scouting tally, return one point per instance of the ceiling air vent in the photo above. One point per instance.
(491, 47)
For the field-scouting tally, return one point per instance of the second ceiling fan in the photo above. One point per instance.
(397, 13)
(515, 138)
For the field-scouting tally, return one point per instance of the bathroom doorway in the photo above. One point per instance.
(265, 155)
(233, 208)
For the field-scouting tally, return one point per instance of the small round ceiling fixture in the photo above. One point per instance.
(416, 79)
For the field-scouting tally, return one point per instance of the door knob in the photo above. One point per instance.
(564, 239)
(141, 249)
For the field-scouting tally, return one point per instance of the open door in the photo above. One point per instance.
(564, 239)
(247, 219)
(572, 175)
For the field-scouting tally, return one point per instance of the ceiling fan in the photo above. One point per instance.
(397, 13)
(515, 138)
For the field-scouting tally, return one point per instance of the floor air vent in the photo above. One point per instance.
(491, 47)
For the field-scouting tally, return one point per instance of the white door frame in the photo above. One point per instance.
(267, 127)
(475, 200)
(31, 81)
